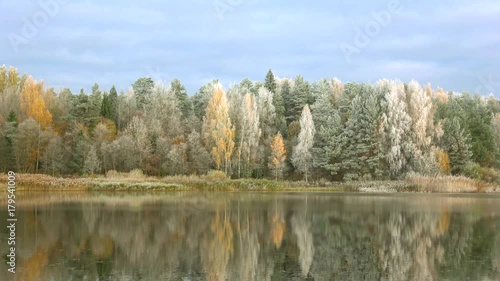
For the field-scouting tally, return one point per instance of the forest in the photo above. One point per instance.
(276, 128)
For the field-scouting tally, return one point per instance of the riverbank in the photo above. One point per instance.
(215, 182)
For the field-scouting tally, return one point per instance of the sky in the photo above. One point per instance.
(73, 44)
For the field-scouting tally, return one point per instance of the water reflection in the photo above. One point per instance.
(232, 236)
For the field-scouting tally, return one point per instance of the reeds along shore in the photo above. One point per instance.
(216, 181)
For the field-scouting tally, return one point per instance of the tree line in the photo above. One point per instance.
(274, 128)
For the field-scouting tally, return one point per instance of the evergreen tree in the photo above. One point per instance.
(270, 82)
(456, 142)
(327, 145)
(143, 87)
(183, 101)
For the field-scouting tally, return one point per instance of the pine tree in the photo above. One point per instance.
(143, 87)
(326, 119)
(456, 143)
(183, 101)
(302, 152)
(280, 120)
(300, 96)
(270, 82)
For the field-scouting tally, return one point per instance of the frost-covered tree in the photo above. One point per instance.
(250, 133)
(92, 163)
(420, 110)
(137, 131)
(161, 107)
(143, 87)
(396, 127)
(302, 152)
(267, 112)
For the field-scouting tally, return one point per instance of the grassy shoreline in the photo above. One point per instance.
(130, 182)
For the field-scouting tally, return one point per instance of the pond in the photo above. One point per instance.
(254, 236)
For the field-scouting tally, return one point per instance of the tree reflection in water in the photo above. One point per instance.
(257, 237)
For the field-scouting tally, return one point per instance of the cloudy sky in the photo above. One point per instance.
(70, 43)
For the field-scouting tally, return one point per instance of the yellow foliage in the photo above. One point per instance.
(218, 129)
(443, 161)
(219, 249)
(33, 104)
(278, 230)
(443, 223)
(278, 153)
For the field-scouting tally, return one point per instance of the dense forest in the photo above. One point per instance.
(274, 128)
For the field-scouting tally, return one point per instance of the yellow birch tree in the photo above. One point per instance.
(32, 103)
(278, 155)
(218, 130)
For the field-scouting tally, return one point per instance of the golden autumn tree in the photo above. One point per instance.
(32, 103)
(218, 130)
(278, 155)
(443, 161)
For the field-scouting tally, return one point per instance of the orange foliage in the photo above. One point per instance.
(278, 230)
(443, 223)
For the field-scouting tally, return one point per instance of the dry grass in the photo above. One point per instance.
(448, 184)
(137, 181)
(45, 182)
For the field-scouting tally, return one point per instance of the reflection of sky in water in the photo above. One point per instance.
(259, 236)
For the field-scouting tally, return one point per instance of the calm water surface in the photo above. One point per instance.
(254, 236)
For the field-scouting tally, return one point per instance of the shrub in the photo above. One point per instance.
(112, 174)
(136, 174)
(490, 175)
(216, 176)
(472, 170)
